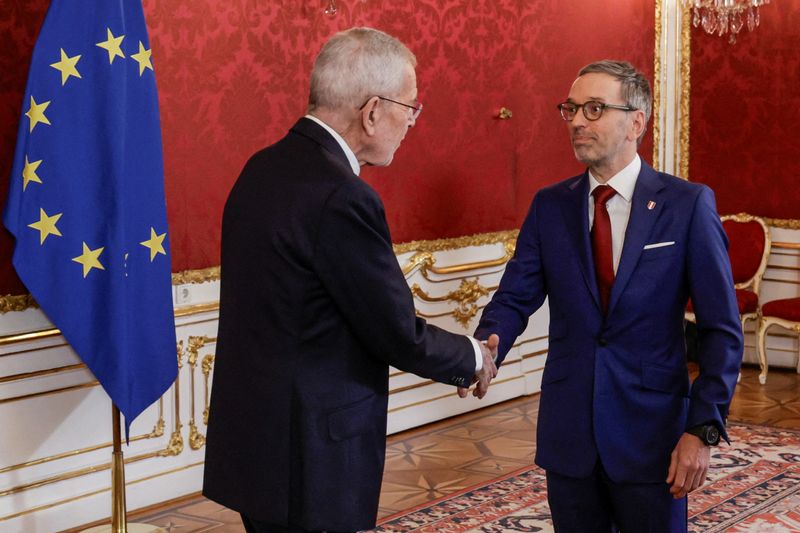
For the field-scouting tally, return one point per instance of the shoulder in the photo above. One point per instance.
(672, 184)
(561, 189)
(354, 195)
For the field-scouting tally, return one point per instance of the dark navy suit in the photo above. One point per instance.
(615, 389)
(313, 310)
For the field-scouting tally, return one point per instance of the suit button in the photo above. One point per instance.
(602, 342)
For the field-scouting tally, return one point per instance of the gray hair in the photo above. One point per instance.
(635, 87)
(355, 65)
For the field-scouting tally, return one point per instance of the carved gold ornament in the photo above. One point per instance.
(465, 296)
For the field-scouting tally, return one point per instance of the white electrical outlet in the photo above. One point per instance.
(183, 295)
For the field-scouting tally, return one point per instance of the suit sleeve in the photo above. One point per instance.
(719, 330)
(354, 259)
(521, 292)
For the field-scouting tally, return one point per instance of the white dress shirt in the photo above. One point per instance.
(351, 158)
(619, 206)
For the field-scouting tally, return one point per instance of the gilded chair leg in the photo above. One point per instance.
(762, 350)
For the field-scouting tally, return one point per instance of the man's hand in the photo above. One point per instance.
(688, 466)
(489, 370)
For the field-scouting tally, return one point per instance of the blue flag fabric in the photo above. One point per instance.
(86, 201)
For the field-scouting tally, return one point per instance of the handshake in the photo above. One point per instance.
(489, 371)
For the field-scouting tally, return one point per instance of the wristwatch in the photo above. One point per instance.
(708, 433)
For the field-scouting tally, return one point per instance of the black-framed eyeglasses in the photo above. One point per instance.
(592, 109)
(417, 109)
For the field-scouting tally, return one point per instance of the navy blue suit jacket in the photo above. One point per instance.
(313, 310)
(616, 387)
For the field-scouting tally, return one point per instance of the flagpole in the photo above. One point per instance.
(119, 518)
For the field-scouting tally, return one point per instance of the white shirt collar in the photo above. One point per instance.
(351, 157)
(623, 181)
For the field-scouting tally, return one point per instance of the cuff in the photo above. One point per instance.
(478, 354)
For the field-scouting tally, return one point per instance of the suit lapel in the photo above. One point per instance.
(577, 203)
(645, 208)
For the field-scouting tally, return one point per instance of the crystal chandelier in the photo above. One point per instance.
(725, 16)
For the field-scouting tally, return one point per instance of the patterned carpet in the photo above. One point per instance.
(754, 487)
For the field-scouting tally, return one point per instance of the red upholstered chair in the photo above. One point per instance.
(784, 313)
(748, 249)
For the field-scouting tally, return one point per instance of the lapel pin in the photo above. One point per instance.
(650, 205)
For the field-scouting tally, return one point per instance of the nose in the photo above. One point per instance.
(412, 120)
(578, 120)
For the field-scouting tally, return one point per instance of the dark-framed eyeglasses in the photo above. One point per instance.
(592, 109)
(417, 109)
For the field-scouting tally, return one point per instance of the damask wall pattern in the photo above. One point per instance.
(233, 77)
(745, 111)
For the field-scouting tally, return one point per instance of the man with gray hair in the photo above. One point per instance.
(618, 251)
(314, 307)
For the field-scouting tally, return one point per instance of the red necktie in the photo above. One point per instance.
(601, 243)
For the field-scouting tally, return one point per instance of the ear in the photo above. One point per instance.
(638, 125)
(370, 114)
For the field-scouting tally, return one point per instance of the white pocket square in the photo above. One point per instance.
(658, 245)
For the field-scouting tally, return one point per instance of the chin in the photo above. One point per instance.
(583, 157)
(387, 161)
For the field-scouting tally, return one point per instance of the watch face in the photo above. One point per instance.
(712, 435)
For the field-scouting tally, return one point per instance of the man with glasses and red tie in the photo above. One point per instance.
(314, 307)
(617, 251)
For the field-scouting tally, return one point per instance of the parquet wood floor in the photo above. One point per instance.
(430, 462)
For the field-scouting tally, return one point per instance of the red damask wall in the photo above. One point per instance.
(233, 77)
(745, 113)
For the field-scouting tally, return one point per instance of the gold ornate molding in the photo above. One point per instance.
(787, 246)
(686, 89)
(196, 439)
(468, 292)
(196, 309)
(87, 385)
(19, 302)
(39, 373)
(51, 505)
(465, 296)
(783, 223)
(425, 261)
(202, 275)
(657, 88)
(158, 431)
(175, 445)
(440, 245)
(207, 365)
(679, 88)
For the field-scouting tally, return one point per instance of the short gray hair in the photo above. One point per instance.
(635, 87)
(355, 65)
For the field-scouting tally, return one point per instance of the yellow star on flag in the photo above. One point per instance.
(155, 244)
(29, 173)
(112, 45)
(46, 225)
(143, 58)
(89, 259)
(67, 66)
(36, 113)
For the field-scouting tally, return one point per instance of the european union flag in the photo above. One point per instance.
(86, 202)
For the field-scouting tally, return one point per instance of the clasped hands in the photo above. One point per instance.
(489, 370)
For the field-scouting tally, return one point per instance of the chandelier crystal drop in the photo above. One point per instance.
(723, 17)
